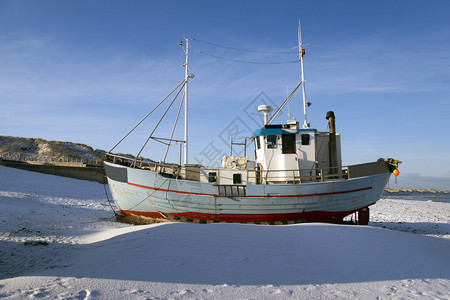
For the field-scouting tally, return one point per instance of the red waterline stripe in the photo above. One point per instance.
(171, 191)
(253, 196)
(313, 216)
(319, 216)
(311, 195)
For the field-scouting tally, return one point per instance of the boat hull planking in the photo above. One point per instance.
(146, 193)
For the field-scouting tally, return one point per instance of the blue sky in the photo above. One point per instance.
(87, 71)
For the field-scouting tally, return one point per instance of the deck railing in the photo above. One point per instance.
(192, 172)
(298, 175)
(134, 162)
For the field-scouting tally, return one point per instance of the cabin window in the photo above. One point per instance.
(212, 177)
(258, 143)
(288, 143)
(237, 178)
(306, 139)
(271, 142)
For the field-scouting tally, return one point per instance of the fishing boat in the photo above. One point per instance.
(297, 175)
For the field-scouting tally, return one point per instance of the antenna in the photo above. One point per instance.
(301, 52)
(287, 95)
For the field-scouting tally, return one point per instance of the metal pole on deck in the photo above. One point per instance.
(301, 52)
(186, 77)
(186, 104)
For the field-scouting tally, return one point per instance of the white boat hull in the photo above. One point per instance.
(146, 193)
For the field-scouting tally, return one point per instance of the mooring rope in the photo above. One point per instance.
(109, 201)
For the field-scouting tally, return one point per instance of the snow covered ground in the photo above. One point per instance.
(59, 240)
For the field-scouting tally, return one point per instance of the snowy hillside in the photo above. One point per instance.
(31, 149)
(59, 241)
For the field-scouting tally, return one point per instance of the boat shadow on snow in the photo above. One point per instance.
(239, 254)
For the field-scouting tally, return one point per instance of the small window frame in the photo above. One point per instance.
(288, 144)
(272, 141)
(306, 139)
(212, 177)
(258, 142)
(237, 178)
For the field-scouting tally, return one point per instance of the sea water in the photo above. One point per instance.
(418, 196)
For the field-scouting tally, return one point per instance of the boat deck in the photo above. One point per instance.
(232, 181)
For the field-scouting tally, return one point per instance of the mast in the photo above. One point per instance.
(301, 52)
(185, 96)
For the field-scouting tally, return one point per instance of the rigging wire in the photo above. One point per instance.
(275, 114)
(159, 122)
(182, 82)
(245, 50)
(161, 140)
(149, 195)
(245, 61)
(173, 129)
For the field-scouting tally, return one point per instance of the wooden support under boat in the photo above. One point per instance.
(363, 216)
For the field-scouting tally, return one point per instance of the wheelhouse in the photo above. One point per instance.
(282, 149)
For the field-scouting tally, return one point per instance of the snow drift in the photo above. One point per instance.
(85, 255)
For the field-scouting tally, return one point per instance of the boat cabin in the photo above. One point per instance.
(284, 153)
(284, 150)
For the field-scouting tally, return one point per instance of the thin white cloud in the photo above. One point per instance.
(34, 69)
(380, 64)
